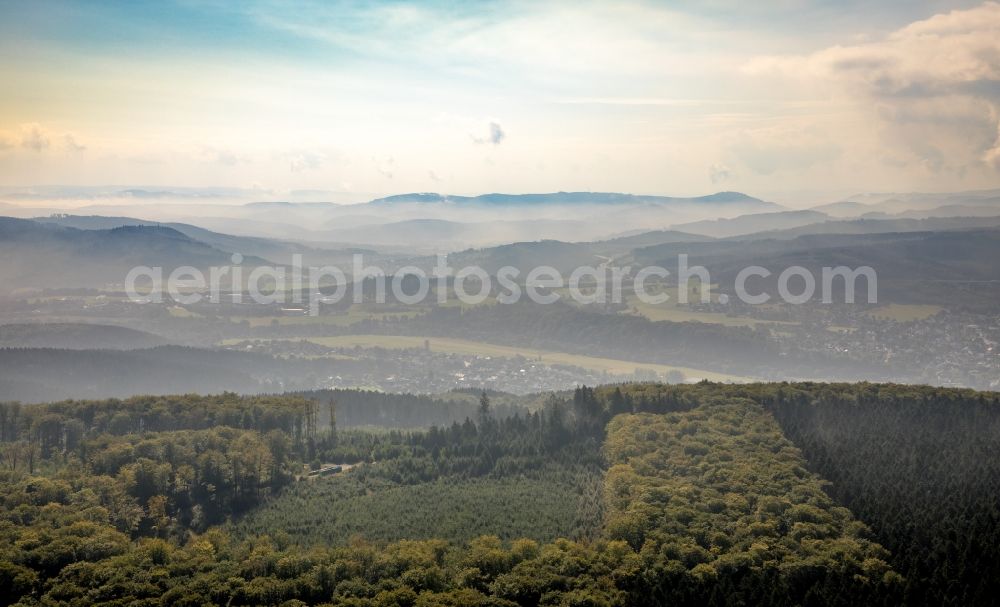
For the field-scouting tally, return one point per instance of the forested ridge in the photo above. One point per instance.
(703, 494)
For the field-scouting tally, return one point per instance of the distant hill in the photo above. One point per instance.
(409, 223)
(748, 224)
(132, 241)
(564, 256)
(916, 204)
(441, 234)
(918, 208)
(954, 268)
(45, 374)
(925, 200)
(44, 255)
(946, 255)
(654, 237)
(410, 230)
(558, 198)
(845, 208)
(276, 251)
(289, 204)
(877, 226)
(949, 210)
(76, 336)
(439, 221)
(38, 375)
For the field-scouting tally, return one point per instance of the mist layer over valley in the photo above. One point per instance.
(936, 286)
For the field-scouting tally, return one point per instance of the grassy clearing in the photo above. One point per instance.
(682, 314)
(331, 511)
(671, 311)
(356, 313)
(180, 312)
(904, 312)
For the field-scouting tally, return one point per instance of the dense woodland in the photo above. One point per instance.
(919, 465)
(691, 495)
(730, 512)
(390, 410)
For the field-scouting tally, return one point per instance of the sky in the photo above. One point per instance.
(792, 100)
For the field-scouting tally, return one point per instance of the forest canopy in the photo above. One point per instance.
(633, 494)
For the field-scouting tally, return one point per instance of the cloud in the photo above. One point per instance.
(531, 42)
(720, 173)
(934, 84)
(37, 139)
(71, 144)
(495, 135)
(949, 53)
(34, 138)
(299, 162)
(992, 156)
(434, 176)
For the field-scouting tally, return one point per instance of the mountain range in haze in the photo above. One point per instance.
(564, 230)
(426, 222)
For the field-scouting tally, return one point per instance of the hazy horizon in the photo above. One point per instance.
(43, 196)
(363, 100)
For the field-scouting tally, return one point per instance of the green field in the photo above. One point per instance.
(673, 312)
(904, 312)
(182, 312)
(356, 313)
(475, 348)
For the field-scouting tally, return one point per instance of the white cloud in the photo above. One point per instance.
(934, 84)
(495, 134)
(992, 156)
(305, 161)
(34, 138)
(720, 173)
(71, 144)
(632, 96)
(37, 139)
(534, 41)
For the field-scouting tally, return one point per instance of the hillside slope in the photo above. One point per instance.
(76, 336)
